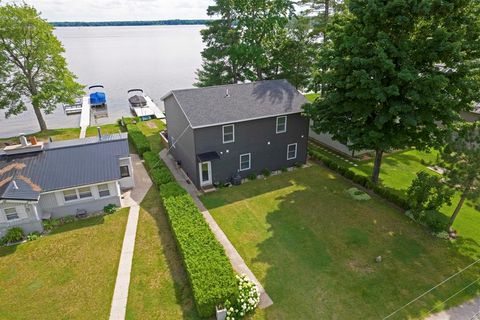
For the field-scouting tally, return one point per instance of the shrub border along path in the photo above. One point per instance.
(236, 260)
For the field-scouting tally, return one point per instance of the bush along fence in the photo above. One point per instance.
(433, 220)
(138, 139)
(209, 271)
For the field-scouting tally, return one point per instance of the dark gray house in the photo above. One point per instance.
(218, 132)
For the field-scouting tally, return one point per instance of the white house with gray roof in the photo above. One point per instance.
(51, 180)
(220, 132)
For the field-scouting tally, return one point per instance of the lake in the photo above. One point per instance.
(154, 58)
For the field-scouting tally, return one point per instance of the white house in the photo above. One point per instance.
(51, 180)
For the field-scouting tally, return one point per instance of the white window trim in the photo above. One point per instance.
(296, 148)
(108, 189)
(233, 133)
(249, 161)
(276, 127)
(78, 195)
(16, 212)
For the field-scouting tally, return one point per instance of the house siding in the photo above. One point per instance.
(28, 223)
(127, 182)
(253, 137)
(184, 149)
(54, 206)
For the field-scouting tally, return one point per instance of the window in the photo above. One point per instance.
(103, 190)
(84, 192)
(245, 161)
(291, 151)
(124, 172)
(11, 214)
(70, 195)
(228, 133)
(282, 124)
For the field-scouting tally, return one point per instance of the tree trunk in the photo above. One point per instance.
(41, 121)
(376, 166)
(327, 10)
(457, 209)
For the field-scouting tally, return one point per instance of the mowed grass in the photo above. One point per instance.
(313, 248)
(69, 274)
(151, 129)
(158, 287)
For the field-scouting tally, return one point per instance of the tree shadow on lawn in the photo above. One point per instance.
(319, 258)
(183, 294)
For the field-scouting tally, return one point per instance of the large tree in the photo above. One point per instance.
(240, 42)
(32, 65)
(396, 74)
(461, 158)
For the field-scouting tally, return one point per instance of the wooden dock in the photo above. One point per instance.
(85, 116)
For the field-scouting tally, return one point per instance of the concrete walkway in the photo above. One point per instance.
(237, 261)
(131, 198)
(468, 311)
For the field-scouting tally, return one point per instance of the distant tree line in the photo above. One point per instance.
(130, 23)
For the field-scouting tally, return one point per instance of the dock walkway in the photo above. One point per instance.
(85, 116)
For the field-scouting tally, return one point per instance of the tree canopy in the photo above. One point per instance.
(255, 40)
(461, 159)
(32, 64)
(392, 71)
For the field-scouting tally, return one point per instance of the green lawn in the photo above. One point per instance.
(313, 248)
(69, 274)
(158, 285)
(151, 129)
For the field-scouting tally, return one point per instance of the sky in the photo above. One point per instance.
(117, 10)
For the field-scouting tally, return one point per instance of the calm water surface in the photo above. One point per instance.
(154, 58)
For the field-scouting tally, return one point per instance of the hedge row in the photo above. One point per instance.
(360, 179)
(208, 269)
(138, 139)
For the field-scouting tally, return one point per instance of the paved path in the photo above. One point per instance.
(237, 262)
(467, 311)
(131, 198)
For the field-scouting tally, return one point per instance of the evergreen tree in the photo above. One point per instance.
(240, 43)
(32, 65)
(396, 74)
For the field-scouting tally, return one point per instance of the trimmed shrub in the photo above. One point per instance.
(152, 160)
(110, 208)
(252, 176)
(208, 268)
(266, 173)
(13, 235)
(139, 140)
(161, 175)
(171, 189)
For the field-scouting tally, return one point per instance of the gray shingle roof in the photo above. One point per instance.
(62, 165)
(211, 105)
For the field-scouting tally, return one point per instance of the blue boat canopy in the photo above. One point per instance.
(97, 98)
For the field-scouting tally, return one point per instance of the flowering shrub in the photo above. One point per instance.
(247, 300)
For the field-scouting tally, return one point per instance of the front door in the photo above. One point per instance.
(205, 169)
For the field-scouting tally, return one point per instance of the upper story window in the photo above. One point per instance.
(228, 133)
(292, 151)
(282, 124)
(245, 161)
(124, 171)
(11, 214)
(103, 190)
